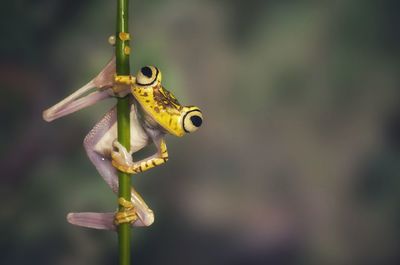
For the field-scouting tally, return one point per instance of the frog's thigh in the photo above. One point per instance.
(99, 153)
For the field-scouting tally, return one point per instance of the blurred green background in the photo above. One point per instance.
(298, 161)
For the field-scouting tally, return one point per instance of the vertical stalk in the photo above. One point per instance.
(123, 111)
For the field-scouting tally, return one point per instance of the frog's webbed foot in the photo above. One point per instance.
(127, 213)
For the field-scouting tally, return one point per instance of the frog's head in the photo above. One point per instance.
(161, 104)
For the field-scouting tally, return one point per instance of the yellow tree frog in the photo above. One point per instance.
(154, 113)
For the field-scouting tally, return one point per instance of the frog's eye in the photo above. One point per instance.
(192, 120)
(148, 75)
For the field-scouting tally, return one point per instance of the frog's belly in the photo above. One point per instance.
(139, 138)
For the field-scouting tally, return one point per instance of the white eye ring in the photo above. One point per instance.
(192, 120)
(147, 75)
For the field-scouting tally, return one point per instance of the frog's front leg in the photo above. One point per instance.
(122, 159)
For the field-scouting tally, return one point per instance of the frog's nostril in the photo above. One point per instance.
(196, 120)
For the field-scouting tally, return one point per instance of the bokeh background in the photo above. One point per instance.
(298, 161)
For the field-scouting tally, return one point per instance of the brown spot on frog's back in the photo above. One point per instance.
(156, 109)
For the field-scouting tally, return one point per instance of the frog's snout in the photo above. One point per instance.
(192, 119)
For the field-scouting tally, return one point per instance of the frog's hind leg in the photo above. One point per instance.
(106, 221)
(81, 98)
(103, 165)
(103, 221)
(101, 160)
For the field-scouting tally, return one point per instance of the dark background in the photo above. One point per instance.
(297, 161)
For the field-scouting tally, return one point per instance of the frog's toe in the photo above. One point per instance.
(120, 155)
(116, 158)
(118, 146)
(127, 214)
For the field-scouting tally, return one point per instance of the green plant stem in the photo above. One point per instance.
(123, 111)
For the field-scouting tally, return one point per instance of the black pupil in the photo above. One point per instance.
(196, 120)
(146, 71)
